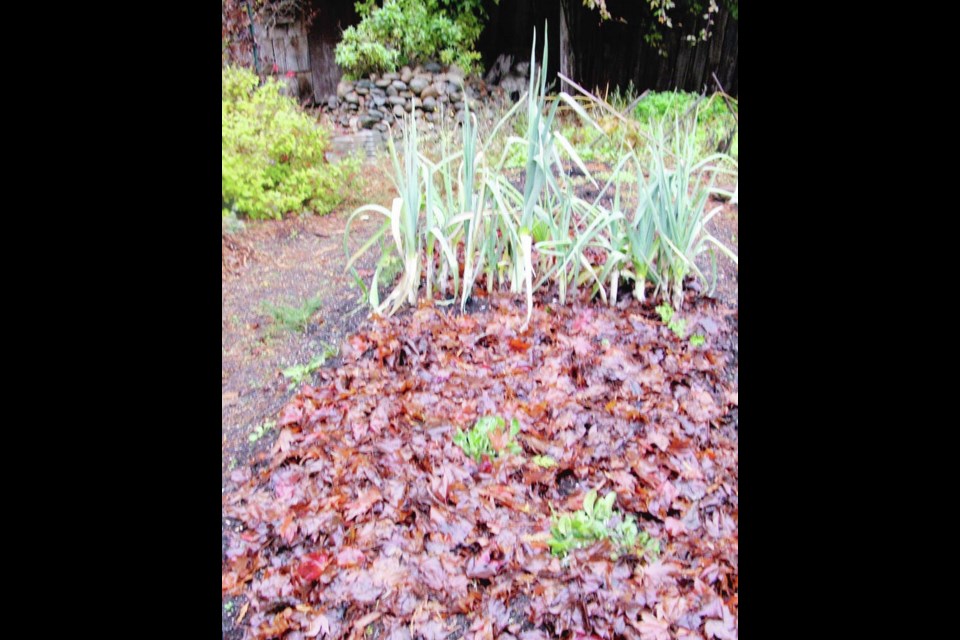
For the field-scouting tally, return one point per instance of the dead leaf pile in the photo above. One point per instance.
(368, 521)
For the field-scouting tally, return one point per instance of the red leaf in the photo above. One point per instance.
(313, 565)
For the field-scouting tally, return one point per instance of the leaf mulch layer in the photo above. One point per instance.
(367, 521)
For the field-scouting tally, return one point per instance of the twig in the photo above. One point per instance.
(633, 104)
(723, 94)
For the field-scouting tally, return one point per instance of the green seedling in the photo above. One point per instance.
(677, 325)
(300, 372)
(697, 340)
(598, 521)
(261, 430)
(488, 437)
(544, 461)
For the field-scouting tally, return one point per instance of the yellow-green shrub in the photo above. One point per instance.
(272, 159)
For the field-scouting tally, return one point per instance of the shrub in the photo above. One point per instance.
(272, 158)
(408, 31)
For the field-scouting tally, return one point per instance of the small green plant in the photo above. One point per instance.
(261, 430)
(697, 340)
(228, 607)
(488, 437)
(676, 324)
(544, 461)
(299, 372)
(598, 521)
(293, 318)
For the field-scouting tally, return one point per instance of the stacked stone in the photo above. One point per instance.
(380, 100)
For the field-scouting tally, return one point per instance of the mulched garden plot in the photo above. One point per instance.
(367, 521)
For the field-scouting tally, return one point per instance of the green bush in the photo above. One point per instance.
(409, 31)
(714, 123)
(272, 153)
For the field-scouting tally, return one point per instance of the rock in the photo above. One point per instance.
(343, 88)
(362, 90)
(379, 100)
(418, 84)
(391, 76)
(406, 94)
(383, 83)
(458, 106)
(407, 107)
(388, 117)
(396, 100)
(406, 74)
(429, 104)
(399, 85)
(375, 114)
(354, 121)
(455, 73)
(332, 101)
(352, 97)
(443, 99)
(344, 121)
(392, 91)
(432, 67)
(381, 127)
(431, 117)
(367, 121)
(456, 96)
(398, 110)
(431, 91)
(364, 84)
(377, 91)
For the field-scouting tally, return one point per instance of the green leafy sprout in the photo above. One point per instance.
(487, 437)
(697, 340)
(598, 521)
(261, 430)
(544, 461)
(675, 324)
(300, 372)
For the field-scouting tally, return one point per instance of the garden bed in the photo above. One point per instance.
(366, 519)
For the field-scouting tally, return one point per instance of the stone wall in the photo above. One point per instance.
(380, 100)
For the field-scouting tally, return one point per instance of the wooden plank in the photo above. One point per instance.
(280, 55)
(291, 55)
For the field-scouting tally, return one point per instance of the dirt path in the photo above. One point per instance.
(281, 263)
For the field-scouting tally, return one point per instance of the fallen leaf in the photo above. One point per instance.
(363, 503)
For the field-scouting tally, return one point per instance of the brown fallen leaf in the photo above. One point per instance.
(363, 503)
(243, 612)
